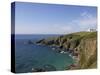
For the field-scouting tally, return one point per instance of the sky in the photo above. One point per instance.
(37, 18)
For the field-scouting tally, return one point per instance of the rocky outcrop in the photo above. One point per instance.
(83, 44)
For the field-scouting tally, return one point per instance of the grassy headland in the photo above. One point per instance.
(82, 43)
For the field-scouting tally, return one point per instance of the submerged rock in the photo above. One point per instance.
(49, 67)
(38, 70)
(46, 67)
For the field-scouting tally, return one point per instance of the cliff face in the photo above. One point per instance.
(84, 42)
(88, 52)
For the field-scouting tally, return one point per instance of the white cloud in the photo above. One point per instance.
(85, 21)
(58, 29)
(88, 22)
(88, 19)
(86, 15)
(49, 29)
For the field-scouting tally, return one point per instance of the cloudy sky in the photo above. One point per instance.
(32, 18)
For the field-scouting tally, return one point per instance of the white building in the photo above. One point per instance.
(91, 30)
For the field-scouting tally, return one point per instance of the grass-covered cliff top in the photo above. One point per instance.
(81, 35)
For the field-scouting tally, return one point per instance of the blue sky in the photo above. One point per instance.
(35, 18)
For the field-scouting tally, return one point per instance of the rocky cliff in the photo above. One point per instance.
(84, 43)
(88, 51)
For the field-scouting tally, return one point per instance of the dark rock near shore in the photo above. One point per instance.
(46, 67)
(40, 41)
(38, 70)
(49, 67)
(30, 42)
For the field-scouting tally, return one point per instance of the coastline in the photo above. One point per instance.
(73, 44)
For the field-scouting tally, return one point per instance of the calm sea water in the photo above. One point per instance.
(28, 56)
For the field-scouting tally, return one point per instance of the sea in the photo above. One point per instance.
(31, 56)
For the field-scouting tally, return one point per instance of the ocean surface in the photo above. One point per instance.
(28, 56)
